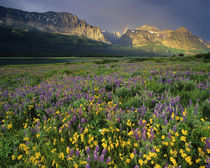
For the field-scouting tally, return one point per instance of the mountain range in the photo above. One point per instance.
(146, 38)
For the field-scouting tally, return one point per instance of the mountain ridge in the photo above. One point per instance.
(56, 22)
(180, 38)
(146, 37)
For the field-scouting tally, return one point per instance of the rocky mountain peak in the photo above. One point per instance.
(147, 35)
(182, 29)
(56, 22)
(148, 28)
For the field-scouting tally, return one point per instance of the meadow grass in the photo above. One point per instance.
(139, 112)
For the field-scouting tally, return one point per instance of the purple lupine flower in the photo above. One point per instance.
(97, 148)
(166, 165)
(136, 166)
(143, 135)
(72, 152)
(88, 150)
(74, 118)
(174, 128)
(82, 120)
(152, 134)
(95, 152)
(207, 145)
(102, 158)
(108, 160)
(196, 109)
(87, 166)
(104, 151)
(77, 153)
(95, 157)
(89, 158)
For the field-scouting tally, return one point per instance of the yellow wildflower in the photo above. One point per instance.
(131, 156)
(157, 166)
(61, 155)
(53, 163)
(52, 151)
(75, 165)
(26, 139)
(13, 157)
(198, 160)
(188, 160)
(141, 162)
(184, 132)
(19, 157)
(183, 138)
(129, 123)
(9, 126)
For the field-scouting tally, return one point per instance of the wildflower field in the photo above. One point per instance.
(98, 114)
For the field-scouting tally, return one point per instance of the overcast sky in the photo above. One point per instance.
(115, 15)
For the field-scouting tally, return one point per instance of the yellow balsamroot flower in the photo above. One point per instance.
(130, 133)
(75, 165)
(176, 134)
(37, 135)
(157, 166)
(184, 132)
(13, 157)
(53, 163)
(183, 138)
(198, 160)
(9, 126)
(165, 143)
(128, 123)
(67, 149)
(177, 118)
(54, 142)
(128, 160)
(26, 139)
(141, 162)
(172, 115)
(148, 158)
(131, 156)
(19, 157)
(173, 161)
(61, 155)
(163, 137)
(62, 140)
(188, 160)
(25, 125)
(203, 139)
(188, 149)
(52, 151)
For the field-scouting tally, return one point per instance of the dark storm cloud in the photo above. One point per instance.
(114, 15)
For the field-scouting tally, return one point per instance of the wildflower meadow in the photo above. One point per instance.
(96, 115)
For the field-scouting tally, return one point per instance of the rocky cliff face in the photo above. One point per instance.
(63, 23)
(147, 35)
